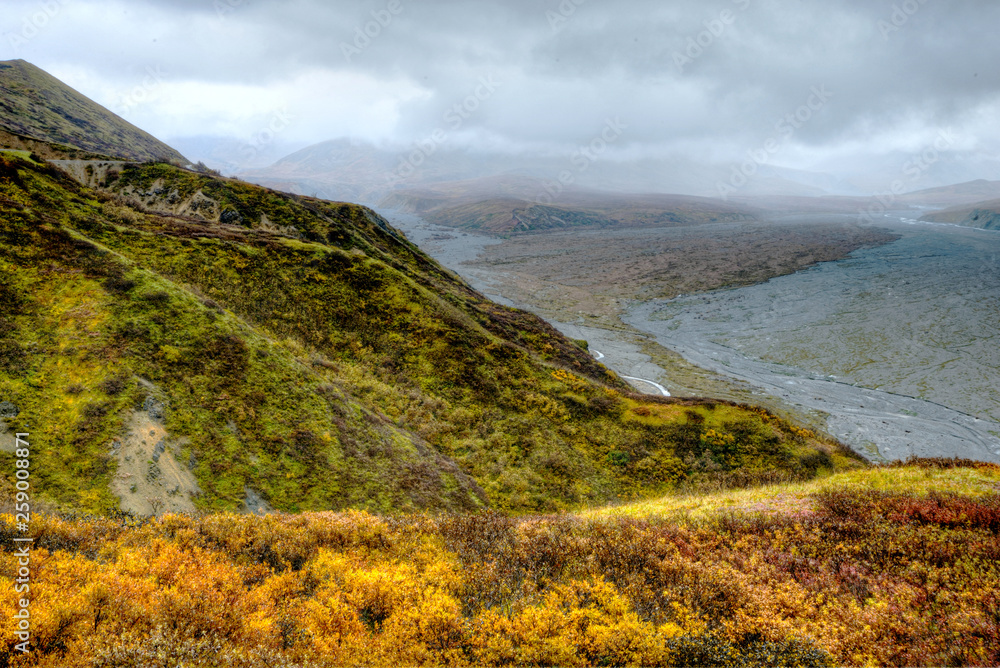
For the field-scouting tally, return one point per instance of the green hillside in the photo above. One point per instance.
(176, 341)
(36, 105)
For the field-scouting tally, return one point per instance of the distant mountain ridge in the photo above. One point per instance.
(506, 205)
(354, 170)
(957, 194)
(35, 104)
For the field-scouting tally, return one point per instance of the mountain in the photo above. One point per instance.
(36, 105)
(229, 155)
(937, 165)
(956, 195)
(340, 170)
(344, 169)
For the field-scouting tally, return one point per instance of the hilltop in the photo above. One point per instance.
(34, 105)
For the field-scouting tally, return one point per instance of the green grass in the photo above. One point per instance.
(26, 155)
(799, 497)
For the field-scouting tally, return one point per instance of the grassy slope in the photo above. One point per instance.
(36, 104)
(799, 498)
(328, 365)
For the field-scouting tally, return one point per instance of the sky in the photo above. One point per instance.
(805, 83)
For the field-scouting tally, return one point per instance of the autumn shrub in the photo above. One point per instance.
(710, 650)
(863, 578)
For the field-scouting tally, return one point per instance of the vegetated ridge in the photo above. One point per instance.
(36, 105)
(306, 352)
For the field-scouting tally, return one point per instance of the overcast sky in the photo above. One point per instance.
(713, 78)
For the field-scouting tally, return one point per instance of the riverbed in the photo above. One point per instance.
(899, 345)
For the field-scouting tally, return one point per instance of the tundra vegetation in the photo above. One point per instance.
(888, 566)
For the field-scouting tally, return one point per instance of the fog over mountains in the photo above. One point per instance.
(845, 98)
(355, 170)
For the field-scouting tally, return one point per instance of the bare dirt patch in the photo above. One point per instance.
(150, 481)
(8, 441)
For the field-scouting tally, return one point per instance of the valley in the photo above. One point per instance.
(883, 336)
(500, 412)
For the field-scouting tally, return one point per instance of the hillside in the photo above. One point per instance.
(895, 566)
(984, 215)
(36, 105)
(183, 341)
(956, 195)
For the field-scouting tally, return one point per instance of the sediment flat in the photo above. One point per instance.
(898, 344)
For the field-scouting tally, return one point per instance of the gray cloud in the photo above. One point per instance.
(715, 77)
